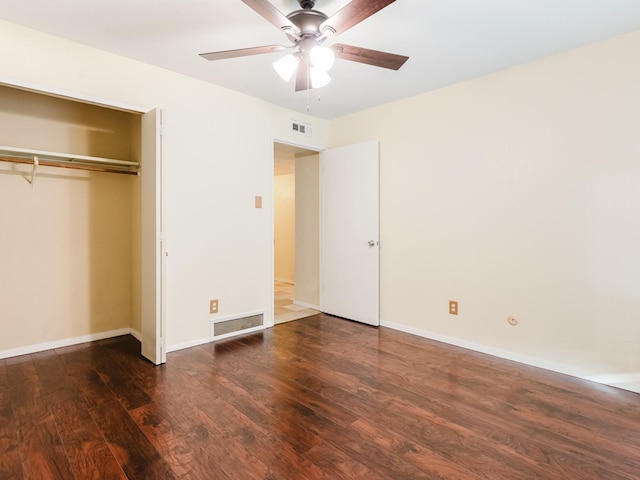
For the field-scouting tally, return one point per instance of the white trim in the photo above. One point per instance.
(69, 95)
(135, 334)
(496, 352)
(192, 343)
(306, 146)
(213, 338)
(66, 342)
(616, 378)
(306, 305)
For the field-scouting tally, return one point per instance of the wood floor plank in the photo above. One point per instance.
(91, 459)
(84, 445)
(10, 460)
(183, 451)
(264, 436)
(570, 424)
(4, 377)
(491, 420)
(331, 420)
(42, 453)
(591, 472)
(132, 449)
(29, 404)
(336, 464)
(318, 398)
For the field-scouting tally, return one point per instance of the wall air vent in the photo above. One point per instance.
(299, 127)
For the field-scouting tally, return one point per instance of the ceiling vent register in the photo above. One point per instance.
(302, 128)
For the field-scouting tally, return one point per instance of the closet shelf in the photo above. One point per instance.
(66, 160)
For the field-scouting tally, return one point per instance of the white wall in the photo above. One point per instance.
(517, 194)
(284, 226)
(219, 245)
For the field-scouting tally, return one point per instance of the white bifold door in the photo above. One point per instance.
(153, 239)
(349, 232)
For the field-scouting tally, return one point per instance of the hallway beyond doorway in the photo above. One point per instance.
(284, 308)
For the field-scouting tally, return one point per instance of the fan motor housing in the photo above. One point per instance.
(307, 21)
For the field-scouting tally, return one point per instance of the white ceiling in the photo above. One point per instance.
(448, 41)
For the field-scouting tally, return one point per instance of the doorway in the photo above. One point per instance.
(296, 232)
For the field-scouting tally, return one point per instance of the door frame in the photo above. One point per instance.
(285, 141)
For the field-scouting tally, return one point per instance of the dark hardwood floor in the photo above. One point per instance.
(316, 398)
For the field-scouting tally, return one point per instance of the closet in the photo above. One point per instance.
(76, 195)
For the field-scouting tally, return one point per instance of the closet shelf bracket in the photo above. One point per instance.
(33, 170)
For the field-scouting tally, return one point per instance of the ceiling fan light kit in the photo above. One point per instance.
(322, 57)
(308, 29)
(286, 66)
(318, 77)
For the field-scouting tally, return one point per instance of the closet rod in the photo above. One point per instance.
(66, 157)
(75, 166)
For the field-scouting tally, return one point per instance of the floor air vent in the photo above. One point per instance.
(224, 327)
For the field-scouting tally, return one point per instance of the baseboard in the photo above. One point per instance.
(135, 334)
(496, 352)
(617, 378)
(307, 305)
(189, 344)
(212, 338)
(66, 342)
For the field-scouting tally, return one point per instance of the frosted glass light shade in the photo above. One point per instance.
(322, 58)
(319, 77)
(286, 66)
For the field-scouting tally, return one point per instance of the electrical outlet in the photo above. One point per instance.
(213, 306)
(453, 307)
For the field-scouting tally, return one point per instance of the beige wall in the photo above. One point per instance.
(517, 194)
(513, 194)
(219, 244)
(42, 122)
(284, 224)
(307, 230)
(66, 239)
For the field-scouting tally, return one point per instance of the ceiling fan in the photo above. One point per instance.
(308, 29)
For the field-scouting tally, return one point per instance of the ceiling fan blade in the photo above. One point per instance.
(271, 14)
(242, 52)
(303, 76)
(352, 14)
(368, 56)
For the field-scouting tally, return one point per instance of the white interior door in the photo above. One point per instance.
(349, 231)
(153, 239)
